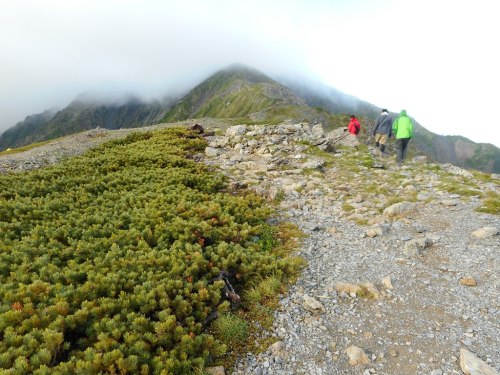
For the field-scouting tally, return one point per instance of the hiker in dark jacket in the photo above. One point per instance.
(382, 130)
(354, 127)
(403, 131)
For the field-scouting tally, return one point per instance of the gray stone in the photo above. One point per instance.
(313, 305)
(236, 130)
(212, 151)
(399, 209)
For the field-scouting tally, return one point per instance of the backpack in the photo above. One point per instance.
(358, 127)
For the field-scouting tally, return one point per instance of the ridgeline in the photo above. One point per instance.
(241, 95)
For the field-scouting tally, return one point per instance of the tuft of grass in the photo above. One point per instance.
(280, 196)
(347, 207)
(230, 330)
(490, 204)
(361, 221)
(308, 171)
(394, 199)
(367, 162)
(264, 292)
(460, 186)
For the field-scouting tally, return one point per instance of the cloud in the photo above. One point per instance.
(56, 49)
(436, 59)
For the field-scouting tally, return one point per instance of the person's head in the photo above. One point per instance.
(385, 111)
(403, 113)
(352, 116)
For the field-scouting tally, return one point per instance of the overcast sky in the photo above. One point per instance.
(438, 59)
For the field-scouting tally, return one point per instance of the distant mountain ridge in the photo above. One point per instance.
(82, 114)
(243, 95)
(458, 150)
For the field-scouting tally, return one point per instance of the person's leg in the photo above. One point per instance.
(399, 150)
(405, 148)
(382, 141)
(377, 139)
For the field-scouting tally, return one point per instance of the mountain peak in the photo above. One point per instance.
(237, 91)
(245, 72)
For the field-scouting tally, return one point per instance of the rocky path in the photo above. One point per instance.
(395, 295)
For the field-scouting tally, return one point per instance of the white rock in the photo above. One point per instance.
(357, 356)
(387, 283)
(236, 130)
(471, 365)
(485, 232)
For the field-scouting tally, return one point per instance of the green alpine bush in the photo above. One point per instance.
(107, 259)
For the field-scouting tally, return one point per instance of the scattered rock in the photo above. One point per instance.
(393, 353)
(485, 232)
(387, 283)
(399, 209)
(313, 305)
(471, 365)
(357, 356)
(377, 230)
(468, 281)
(413, 248)
(236, 130)
(349, 288)
(456, 170)
(450, 202)
(212, 152)
(277, 349)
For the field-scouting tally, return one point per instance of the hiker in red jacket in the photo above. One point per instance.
(354, 127)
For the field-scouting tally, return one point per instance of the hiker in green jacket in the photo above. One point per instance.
(402, 128)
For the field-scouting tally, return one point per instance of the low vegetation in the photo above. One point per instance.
(108, 260)
(491, 203)
(10, 151)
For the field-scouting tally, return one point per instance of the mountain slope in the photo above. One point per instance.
(244, 95)
(25, 130)
(83, 114)
(457, 150)
(319, 95)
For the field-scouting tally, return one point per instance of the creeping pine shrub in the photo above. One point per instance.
(107, 259)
